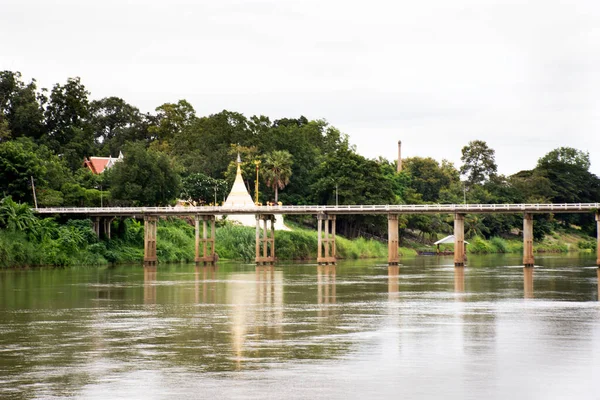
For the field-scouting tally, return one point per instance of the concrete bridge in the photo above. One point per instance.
(326, 218)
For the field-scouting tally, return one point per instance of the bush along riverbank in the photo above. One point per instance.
(554, 243)
(26, 240)
(45, 242)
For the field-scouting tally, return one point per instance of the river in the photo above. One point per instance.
(491, 330)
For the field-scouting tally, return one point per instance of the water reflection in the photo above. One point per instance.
(265, 285)
(528, 282)
(257, 309)
(61, 337)
(393, 278)
(150, 285)
(209, 284)
(326, 284)
(459, 283)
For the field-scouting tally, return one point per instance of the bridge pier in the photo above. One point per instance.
(459, 240)
(150, 222)
(265, 242)
(326, 251)
(528, 259)
(101, 225)
(598, 235)
(206, 243)
(96, 223)
(393, 257)
(107, 223)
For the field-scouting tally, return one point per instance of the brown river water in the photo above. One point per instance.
(359, 330)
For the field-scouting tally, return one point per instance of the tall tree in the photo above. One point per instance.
(566, 155)
(278, 170)
(21, 107)
(428, 177)
(204, 145)
(479, 162)
(18, 163)
(171, 120)
(114, 122)
(144, 178)
(67, 118)
(203, 189)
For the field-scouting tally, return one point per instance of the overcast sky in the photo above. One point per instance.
(521, 75)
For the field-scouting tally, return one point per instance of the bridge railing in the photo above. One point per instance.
(358, 209)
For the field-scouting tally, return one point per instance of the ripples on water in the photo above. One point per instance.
(358, 330)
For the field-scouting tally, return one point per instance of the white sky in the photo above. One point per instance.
(522, 75)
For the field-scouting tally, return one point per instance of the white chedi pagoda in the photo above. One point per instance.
(240, 198)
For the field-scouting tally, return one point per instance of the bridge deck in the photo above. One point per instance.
(346, 209)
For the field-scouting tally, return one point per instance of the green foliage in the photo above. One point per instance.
(175, 241)
(67, 122)
(16, 250)
(479, 162)
(144, 178)
(588, 244)
(46, 136)
(479, 245)
(18, 163)
(428, 177)
(16, 216)
(114, 122)
(21, 107)
(500, 245)
(566, 155)
(277, 170)
(202, 189)
(171, 120)
(236, 242)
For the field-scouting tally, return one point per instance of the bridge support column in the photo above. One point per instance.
(326, 251)
(150, 240)
(205, 246)
(107, 222)
(265, 242)
(528, 240)
(393, 258)
(96, 223)
(459, 240)
(598, 235)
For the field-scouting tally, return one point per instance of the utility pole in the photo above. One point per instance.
(257, 163)
(33, 189)
(336, 194)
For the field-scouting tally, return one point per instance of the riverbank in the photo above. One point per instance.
(48, 243)
(76, 243)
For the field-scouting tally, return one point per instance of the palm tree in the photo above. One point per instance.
(277, 170)
(474, 226)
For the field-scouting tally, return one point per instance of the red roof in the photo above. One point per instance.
(96, 164)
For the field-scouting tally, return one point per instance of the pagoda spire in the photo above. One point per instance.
(239, 196)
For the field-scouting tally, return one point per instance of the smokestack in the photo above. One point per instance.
(399, 156)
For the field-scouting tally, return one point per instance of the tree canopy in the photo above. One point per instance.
(479, 163)
(174, 153)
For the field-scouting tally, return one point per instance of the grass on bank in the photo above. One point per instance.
(76, 243)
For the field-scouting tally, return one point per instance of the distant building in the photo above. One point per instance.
(99, 164)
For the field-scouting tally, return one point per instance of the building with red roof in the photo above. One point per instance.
(100, 164)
